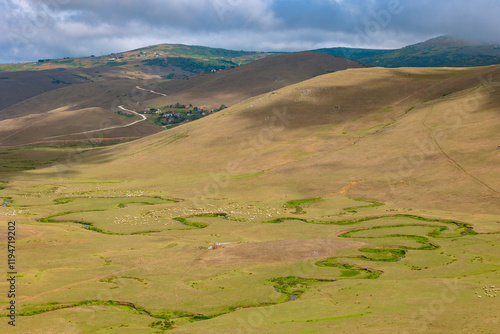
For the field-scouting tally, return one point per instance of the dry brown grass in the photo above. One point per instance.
(117, 86)
(384, 117)
(264, 75)
(63, 127)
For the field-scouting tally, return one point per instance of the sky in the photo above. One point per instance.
(42, 29)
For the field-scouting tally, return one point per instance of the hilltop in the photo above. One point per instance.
(443, 51)
(185, 59)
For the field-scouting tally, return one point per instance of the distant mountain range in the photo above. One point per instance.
(173, 61)
(443, 51)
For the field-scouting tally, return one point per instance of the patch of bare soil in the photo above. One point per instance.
(277, 251)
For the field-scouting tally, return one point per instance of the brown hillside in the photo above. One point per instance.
(86, 95)
(82, 125)
(234, 85)
(416, 137)
(209, 90)
(18, 86)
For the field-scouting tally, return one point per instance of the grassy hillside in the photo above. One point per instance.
(436, 52)
(364, 201)
(70, 127)
(210, 91)
(355, 120)
(19, 86)
(234, 85)
(75, 114)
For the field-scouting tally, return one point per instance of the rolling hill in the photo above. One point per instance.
(443, 51)
(21, 81)
(366, 55)
(209, 90)
(185, 59)
(392, 129)
(234, 85)
(112, 80)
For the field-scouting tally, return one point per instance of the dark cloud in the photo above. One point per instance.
(33, 29)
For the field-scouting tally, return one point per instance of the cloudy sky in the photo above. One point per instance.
(35, 29)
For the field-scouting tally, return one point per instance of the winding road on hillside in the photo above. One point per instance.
(107, 128)
(151, 91)
(133, 112)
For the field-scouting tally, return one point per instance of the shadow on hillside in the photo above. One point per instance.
(317, 104)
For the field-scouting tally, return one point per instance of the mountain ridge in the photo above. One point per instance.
(442, 51)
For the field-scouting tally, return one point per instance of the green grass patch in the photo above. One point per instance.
(381, 254)
(349, 273)
(63, 200)
(348, 270)
(292, 287)
(373, 204)
(162, 325)
(188, 222)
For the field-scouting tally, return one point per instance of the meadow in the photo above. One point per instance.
(95, 259)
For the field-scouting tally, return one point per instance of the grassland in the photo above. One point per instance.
(286, 213)
(150, 281)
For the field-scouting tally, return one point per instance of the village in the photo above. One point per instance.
(174, 114)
